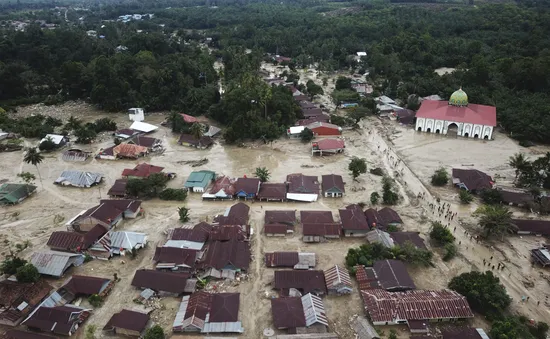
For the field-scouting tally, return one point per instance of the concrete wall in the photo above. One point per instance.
(464, 129)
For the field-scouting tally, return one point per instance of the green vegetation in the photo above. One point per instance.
(313, 89)
(440, 234)
(389, 195)
(306, 135)
(149, 187)
(440, 177)
(32, 156)
(374, 197)
(367, 254)
(495, 220)
(484, 292)
(47, 145)
(465, 196)
(490, 196)
(262, 173)
(377, 171)
(449, 251)
(393, 334)
(95, 300)
(183, 213)
(27, 177)
(27, 273)
(90, 331)
(11, 264)
(357, 166)
(154, 332)
(177, 194)
(517, 327)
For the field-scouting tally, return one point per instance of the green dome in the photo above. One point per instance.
(459, 98)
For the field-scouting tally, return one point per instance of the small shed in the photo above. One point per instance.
(338, 280)
(126, 322)
(198, 181)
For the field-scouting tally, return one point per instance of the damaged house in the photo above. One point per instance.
(225, 259)
(17, 299)
(299, 315)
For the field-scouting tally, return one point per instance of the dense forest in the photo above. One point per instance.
(501, 53)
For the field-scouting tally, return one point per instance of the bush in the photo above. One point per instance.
(465, 196)
(450, 251)
(306, 135)
(440, 234)
(490, 196)
(367, 254)
(357, 166)
(154, 332)
(392, 228)
(104, 124)
(389, 197)
(173, 194)
(95, 300)
(184, 214)
(85, 135)
(27, 273)
(11, 264)
(377, 171)
(440, 177)
(374, 197)
(47, 145)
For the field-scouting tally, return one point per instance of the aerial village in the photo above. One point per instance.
(259, 247)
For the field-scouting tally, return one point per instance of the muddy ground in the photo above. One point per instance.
(382, 143)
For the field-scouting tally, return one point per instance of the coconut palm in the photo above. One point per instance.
(196, 130)
(32, 156)
(262, 173)
(495, 219)
(518, 162)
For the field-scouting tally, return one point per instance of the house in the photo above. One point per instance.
(191, 141)
(302, 187)
(364, 329)
(471, 180)
(85, 286)
(392, 308)
(324, 129)
(175, 259)
(136, 114)
(107, 214)
(247, 188)
(58, 140)
(11, 194)
(318, 226)
(373, 218)
(403, 116)
(390, 275)
(295, 131)
(464, 333)
(143, 170)
(304, 281)
(332, 186)
(129, 151)
(272, 192)
(55, 263)
(224, 259)
(75, 155)
(386, 105)
(189, 118)
(236, 215)
(457, 117)
(198, 181)
(118, 190)
(128, 323)
(152, 144)
(125, 133)
(229, 232)
(354, 222)
(74, 241)
(380, 237)
(295, 260)
(166, 283)
(516, 198)
(305, 314)
(107, 153)
(400, 238)
(79, 179)
(279, 223)
(338, 280)
(312, 119)
(222, 189)
(19, 334)
(316, 217)
(328, 146)
(18, 299)
(60, 320)
(212, 131)
(143, 127)
(532, 227)
(117, 243)
(194, 238)
(541, 256)
(389, 217)
(204, 312)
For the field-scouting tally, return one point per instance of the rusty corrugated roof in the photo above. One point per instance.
(281, 259)
(306, 281)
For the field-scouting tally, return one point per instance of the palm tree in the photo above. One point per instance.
(518, 162)
(32, 156)
(196, 130)
(262, 173)
(495, 219)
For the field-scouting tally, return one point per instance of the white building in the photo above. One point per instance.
(136, 114)
(456, 117)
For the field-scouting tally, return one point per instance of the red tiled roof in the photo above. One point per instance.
(128, 320)
(142, 170)
(353, 218)
(316, 217)
(188, 118)
(86, 285)
(392, 275)
(275, 228)
(322, 229)
(329, 144)
(195, 235)
(161, 280)
(174, 255)
(474, 114)
(299, 183)
(281, 259)
(402, 237)
(286, 217)
(288, 312)
(272, 191)
(247, 185)
(330, 181)
(228, 253)
(383, 306)
(305, 281)
(473, 179)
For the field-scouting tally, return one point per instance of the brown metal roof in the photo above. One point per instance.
(299, 183)
(276, 228)
(272, 191)
(86, 285)
(119, 188)
(123, 204)
(322, 229)
(247, 185)
(203, 226)
(228, 253)
(145, 141)
(533, 226)
(189, 139)
(177, 256)
(373, 218)
(18, 334)
(128, 320)
(238, 215)
(195, 234)
(463, 333)
(389, 216)
(392, 275)
(226, 233)
(316, 217)
(332, 181)
(401, 238)
(273, 217)
(224, 183)
(473, 179)
(281, 259)
(288, 312)
(161, 280)
(142, 170)
(384, 306)
(70, 241)
(353, 218)
(58, 319)
(224, 307)
(305, 281)
(516, 198)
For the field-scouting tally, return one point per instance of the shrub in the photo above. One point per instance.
(392, 228)
(173, 194)
(440, 234)
(374, 197)
(306, 135)
(184, 214)
(357, 166)
(104, 124)
(11, 264)
(490, 196)
(389, 196)
(27, 273)
(465, 196)
(440, 177)
(154, 332)
(95, 300)
(377, 171)
(450, 251)
(47, 145)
